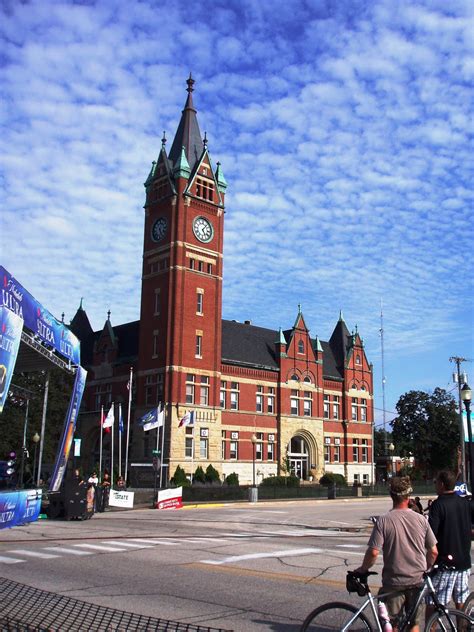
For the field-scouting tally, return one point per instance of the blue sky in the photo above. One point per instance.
(344, 130)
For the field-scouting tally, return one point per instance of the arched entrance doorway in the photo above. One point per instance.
(299, 457)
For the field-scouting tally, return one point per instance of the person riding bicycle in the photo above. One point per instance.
(450, 518)
(409, 548)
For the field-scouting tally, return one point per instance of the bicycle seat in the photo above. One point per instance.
(357, 582)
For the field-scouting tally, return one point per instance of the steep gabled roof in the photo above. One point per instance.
(248, 345)
(80, 325)
(126, 336)
(188, 133)
(339, 341)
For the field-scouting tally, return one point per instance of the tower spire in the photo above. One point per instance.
(188, 133)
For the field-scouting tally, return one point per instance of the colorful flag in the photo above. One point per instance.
(120, 422)
(188, 419)
(109, 420)
(153, 419)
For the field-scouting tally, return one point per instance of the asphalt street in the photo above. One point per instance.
(241, 567)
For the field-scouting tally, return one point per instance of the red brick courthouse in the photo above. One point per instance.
(306, 402)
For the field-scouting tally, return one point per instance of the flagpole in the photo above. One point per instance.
(112, 455)
(162, 446)
(128, 422)
(101, 431)
(120, 442)
(192, 455)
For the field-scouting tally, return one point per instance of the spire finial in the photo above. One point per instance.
(205, 140)
(80, 306)
(356, 329)
(163, 140)
(341, 317)
(190, 82)
(299, 308)
(108, 315)
(62, 317)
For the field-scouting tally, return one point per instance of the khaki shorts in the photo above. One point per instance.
(405, 596)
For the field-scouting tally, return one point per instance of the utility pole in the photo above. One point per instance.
(460, 379)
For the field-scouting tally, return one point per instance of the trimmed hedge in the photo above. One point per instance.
(281, 481)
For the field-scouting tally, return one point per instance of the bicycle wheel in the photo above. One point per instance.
(468, 606)
(453, 621)
(332, 617)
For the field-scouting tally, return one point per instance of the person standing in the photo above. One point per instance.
(409, 549)
(450, 518)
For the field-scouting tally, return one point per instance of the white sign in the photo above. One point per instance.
(121, 499)
(77, 447)
(170, 498)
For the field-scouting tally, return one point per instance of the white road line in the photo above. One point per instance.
(10, 560)
(63, 549)
(42, 556)
(164, 542)
(132, 545)
(100, 547)
(352, 546)
(257, 556)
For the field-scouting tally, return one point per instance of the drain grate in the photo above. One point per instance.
(28, 609)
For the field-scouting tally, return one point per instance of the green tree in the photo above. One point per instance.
(199, 475)
(212, 475)
(427, 426)
(12, 420)
(381, 439)
(179, 479)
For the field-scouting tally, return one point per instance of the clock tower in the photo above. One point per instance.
(181, 300)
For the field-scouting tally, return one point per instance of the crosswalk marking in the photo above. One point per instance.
(63, 549)
(132, 545)
(42, 556)
(100, 547)
(10, 560)
(164, 542)
(257, 556)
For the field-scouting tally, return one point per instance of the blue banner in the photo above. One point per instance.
(68, 430)
(11, 326)
(18, 507)
(37, 319)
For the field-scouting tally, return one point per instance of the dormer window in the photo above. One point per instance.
(204, 189)
(300, 346)
(357, 359)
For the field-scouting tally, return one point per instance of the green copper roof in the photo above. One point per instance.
(151, 174)
(221, 181)
(182, 169)
(281, 337)
(317, 345)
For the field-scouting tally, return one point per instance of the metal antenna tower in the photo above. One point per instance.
(384, 413)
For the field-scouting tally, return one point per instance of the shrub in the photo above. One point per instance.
(212, 475)
(232, 479)
(281, 481)
(199, 476)
(330, 478)
(179, 479)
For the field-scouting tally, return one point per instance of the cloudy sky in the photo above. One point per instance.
(344, 129)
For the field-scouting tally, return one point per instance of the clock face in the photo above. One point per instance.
(159, 229)
(202, 228)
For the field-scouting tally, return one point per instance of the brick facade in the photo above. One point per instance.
(307, 404)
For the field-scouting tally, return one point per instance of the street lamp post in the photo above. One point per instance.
(391, 448)
(35, 438)
(466, 395)
(254, 490)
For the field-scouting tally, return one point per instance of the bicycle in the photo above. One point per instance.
(342, 617)
(468, 606)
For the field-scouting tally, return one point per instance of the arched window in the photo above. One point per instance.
(295, 378)
(357, 359)
(307, 379)
(354, 386)
(300, 346)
